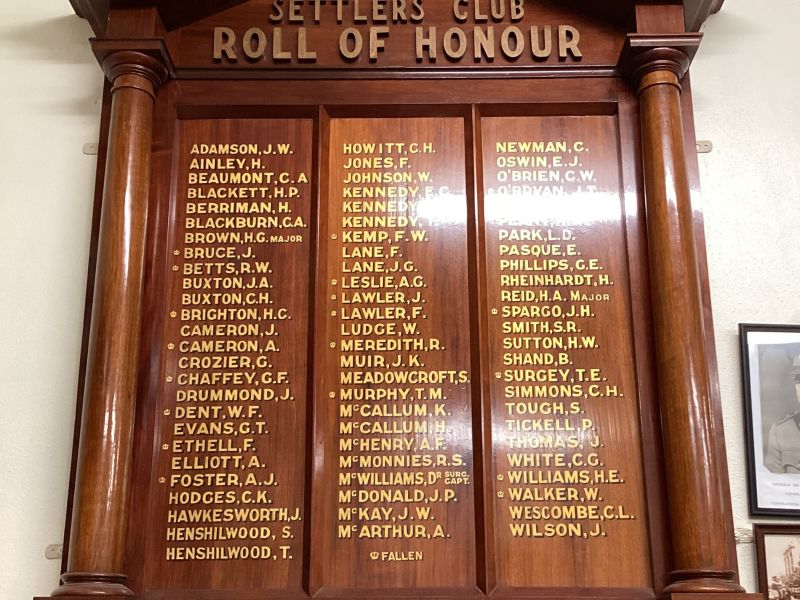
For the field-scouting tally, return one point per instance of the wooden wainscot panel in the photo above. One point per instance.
(567, 482)
(394, 488)
(384, 34)
(226, 497)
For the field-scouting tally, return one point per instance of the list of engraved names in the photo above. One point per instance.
(564, 417)
(235, 369)
(397, 368)
(378, 379)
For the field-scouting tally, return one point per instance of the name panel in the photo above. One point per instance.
(393, 478)
(380, 499)
(227, 498)
(567, 478)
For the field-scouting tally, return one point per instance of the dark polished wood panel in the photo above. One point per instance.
(227, 498)
(568, 473)
(393, 477)
(558, 96)
(399, 35)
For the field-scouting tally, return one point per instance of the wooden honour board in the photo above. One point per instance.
(396, 352)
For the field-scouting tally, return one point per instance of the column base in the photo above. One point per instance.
(702, 581)
(81, 585)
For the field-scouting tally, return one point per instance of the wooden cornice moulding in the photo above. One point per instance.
(95, 12)
(644, 54)
(697, 11)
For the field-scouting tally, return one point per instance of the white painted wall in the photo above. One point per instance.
(746, 85)
(49, 107)
(746, 89)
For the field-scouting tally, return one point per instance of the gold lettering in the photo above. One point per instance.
(452, 36)
(568, 39)
(376, 41)
(294, 11)
(426, 43)
(379, 11)
(224, 38)
(303, 52)
(460, 15)
(484, 43)
(254, 43)
(541, 45)
(278, 53)
(350, 36)
(512, 49)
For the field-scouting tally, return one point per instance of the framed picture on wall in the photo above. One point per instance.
(771, 380)
(778, 560)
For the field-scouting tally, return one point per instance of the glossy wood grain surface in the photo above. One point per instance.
(437, 332)
(340, 556)
(174, 13)
(234, 263)
(192, 46)
(708, 320)
(564, 398)
(98, 543)
(423, 297)
(684, 385)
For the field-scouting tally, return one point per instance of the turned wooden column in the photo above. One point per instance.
(694, 489)
(100, 510)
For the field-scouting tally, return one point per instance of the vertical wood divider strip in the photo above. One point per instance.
(643, 347)
(482, 411)
(161, 231)
(478, 465)
(312, 561)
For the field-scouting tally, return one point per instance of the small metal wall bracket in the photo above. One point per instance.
(54, 552)
(704, 146)
(744, 535)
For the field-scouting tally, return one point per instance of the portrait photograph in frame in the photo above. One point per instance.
(778, 561)
(771, 389)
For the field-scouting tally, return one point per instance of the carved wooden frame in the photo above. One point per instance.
(701, 553)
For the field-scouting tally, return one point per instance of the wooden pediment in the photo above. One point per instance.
(177, 13)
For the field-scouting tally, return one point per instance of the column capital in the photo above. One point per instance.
(125, 60)
(667, 55)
